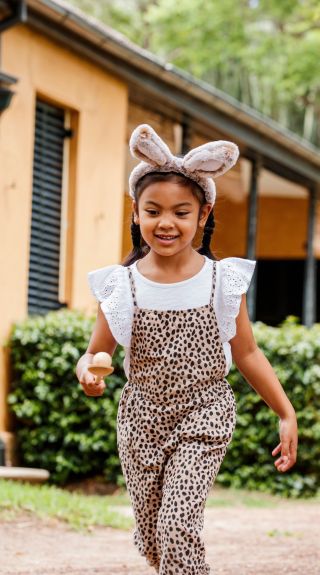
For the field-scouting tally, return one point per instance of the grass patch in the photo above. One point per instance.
(118, 500)
(81, 512)
(228, 497)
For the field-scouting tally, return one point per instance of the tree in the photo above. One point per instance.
(264, 53)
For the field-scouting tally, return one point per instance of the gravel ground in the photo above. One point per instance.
(240, 541)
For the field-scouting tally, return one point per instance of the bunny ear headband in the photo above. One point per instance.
(200, 164)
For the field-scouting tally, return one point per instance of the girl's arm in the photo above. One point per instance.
(258, 372)
(101, 340)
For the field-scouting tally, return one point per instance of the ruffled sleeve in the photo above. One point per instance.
(110, 286)
(233, 279)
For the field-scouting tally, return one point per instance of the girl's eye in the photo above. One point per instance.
(155, 212)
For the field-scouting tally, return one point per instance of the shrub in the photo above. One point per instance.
(294, 352)
(74, 436)
(58, 427)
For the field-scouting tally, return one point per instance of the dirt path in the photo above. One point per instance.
(240, 541)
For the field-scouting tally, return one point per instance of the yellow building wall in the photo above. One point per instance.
(98, 103)
(281, 228)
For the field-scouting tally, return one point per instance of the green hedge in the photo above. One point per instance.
(60, 428)
(294, 352)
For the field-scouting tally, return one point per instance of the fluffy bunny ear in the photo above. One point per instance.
(146, 145)
(211, 159)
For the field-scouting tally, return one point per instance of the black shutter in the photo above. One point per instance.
(43, 288)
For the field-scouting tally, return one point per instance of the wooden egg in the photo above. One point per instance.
(101, 364)
(102, 358)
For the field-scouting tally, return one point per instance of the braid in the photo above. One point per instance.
(206, 238)
(138, 250)
(135, 234)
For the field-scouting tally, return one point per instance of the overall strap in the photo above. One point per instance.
(214, 274)
(132, 286)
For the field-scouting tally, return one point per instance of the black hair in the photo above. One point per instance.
(206, 238)
(140, 248)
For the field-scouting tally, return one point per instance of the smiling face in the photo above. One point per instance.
(169, 214)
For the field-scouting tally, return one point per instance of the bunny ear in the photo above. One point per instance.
(146, 145)
(211, 159)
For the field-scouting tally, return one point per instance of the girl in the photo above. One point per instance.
(181, 315)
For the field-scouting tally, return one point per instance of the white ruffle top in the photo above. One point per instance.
(111, 287)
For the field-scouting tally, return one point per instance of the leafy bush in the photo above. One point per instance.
(294, 352)
(60, 428)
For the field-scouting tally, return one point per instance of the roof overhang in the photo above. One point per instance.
(182, 96)
(12, 12)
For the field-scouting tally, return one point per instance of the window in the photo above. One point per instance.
(48, 177)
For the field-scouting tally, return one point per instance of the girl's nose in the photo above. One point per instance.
(165, 223)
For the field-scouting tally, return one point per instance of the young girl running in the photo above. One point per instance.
(181, 316)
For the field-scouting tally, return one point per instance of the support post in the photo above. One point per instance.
(252, 232)
(186, 136)
(2, 453)
(310, 275)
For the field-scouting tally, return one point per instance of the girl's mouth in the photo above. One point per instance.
(166, 239)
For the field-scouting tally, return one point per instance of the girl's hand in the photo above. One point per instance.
(92, 385)
(288, 431)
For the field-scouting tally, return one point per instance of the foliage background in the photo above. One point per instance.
(264, 53)
(73, 436)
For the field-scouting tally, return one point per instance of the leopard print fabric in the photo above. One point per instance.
(176, 417)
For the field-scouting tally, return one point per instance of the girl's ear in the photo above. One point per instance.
(135, 212)
(146, 145)
(211, 159)
(204, 214)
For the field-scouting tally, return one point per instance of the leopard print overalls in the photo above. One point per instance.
(176, 417)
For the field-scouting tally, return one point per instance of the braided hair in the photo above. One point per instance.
(138, 251)
(206, 238)
(140, 248)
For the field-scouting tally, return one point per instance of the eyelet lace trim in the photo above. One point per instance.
(110, 285)
(235, 278)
